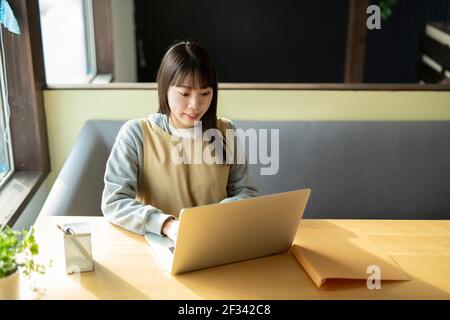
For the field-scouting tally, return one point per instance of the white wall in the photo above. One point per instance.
(124, 41)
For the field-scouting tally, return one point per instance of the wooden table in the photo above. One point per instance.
(125, 267)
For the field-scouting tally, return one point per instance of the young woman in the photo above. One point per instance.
(145, 186)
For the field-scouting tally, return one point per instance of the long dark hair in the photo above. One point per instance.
(184, 59)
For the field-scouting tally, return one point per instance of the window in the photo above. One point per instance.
(68, 40)
(6, 155)
(26, 162)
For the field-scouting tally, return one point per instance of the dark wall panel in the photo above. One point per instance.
(251, 40)
(392, 53)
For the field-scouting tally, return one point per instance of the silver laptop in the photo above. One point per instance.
(222, 233)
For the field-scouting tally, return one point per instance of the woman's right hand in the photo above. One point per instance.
(170, 228)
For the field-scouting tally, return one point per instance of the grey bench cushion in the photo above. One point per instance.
(375, 170)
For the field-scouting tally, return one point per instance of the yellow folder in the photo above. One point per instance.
(336, 253)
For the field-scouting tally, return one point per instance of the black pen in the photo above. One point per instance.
(65, 230)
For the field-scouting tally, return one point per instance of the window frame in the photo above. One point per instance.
(6, 115)
(97, 22)
(24, 68)
(86, 19)
(91, 58)
(103, 35)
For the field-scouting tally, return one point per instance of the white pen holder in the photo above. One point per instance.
(78, 247)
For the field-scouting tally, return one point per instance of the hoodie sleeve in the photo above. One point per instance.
(121, 180)
(240, 184)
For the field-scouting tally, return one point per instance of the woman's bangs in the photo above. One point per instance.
(192, 76)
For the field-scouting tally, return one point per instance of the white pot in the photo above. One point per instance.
(10, 287)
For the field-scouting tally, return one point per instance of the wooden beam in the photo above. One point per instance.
(356, 41)
(265, 86)
(24, 64)
(102, 11)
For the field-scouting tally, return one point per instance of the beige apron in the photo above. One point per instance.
(169, 186)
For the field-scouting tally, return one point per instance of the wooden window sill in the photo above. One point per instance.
(16, 194)
(261, 86)
(102, 78)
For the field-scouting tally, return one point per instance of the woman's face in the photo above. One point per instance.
(188, 104)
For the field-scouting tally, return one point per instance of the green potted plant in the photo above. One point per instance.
(17, 255)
